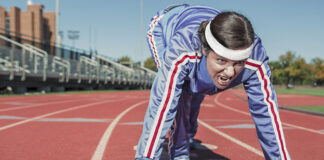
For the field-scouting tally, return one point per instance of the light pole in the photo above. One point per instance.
(141, 33)
(73, 35)
(29, 2)
(57, 30)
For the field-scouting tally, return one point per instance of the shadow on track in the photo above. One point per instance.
(201, 152)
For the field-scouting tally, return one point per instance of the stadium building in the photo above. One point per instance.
(34, 26)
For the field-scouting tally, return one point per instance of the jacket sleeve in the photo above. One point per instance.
(165, 94)
(174, 58)
(159, 32)
(264, 110)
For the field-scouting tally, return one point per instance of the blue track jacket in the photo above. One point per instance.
(175, 45)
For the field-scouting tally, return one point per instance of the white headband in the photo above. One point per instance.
(223, 51)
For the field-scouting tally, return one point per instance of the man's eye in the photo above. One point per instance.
(220, 60)
(241, 62)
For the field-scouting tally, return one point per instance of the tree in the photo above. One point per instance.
(150, 64)
(286, 62)
(124, 59)
(301, 71)
(318, 71)
(292, 69)
(277, 74)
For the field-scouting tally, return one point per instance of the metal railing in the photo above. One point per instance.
(123, 73)
(38, 53)
(18, 62)
(90, 68)
(23, 60)
(62, 67)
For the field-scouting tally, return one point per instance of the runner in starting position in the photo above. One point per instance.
(198, 51)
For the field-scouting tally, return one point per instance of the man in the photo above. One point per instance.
(199, 51)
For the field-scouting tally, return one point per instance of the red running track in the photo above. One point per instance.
(108, 125)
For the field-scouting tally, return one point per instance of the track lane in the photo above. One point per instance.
(28, 113)
(296, 134)
(225, 147)
(53, 113)
(61, 140)
(126, 135)
(68, 140)
(98, 154)
(305, 122)
(36, 101)
(231, 138)
(234, 127)
(217, 117)
(129, 129)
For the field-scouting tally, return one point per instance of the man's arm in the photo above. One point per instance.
(165, 93)
(264, 110)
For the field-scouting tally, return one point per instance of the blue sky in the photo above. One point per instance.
(116, 28)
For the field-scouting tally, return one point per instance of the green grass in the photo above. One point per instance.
(304, 91)
(318, 109)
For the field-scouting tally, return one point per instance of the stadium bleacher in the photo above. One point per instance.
(25, 67)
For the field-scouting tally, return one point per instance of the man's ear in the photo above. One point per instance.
(204, 51)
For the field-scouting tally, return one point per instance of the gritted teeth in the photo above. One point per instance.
(224, 79)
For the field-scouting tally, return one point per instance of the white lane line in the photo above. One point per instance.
(18, 103)
(77, 119)
(244, 98)
(56, 101)
(303, 128)
(244, 145)
(53, 113)
(36, 105)
(248, 114)
(98, 154)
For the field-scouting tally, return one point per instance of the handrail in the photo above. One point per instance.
(45, 57)
(11, 41)
(91, 62)
(106, 70)
(114, 63)
(129, 72)
(64, 63)
(11, 74)
(148, 70)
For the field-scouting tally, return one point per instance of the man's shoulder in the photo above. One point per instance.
(258, 55)
(180, 14)
(187, 7)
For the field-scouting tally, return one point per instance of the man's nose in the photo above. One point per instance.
(229, 71)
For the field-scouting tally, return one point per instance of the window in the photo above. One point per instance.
(7, 26)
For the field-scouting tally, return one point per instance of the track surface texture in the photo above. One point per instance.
(107, 126)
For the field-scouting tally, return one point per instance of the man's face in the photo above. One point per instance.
(223, 71)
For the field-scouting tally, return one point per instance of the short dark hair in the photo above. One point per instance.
(201, 34)
(231, 29)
